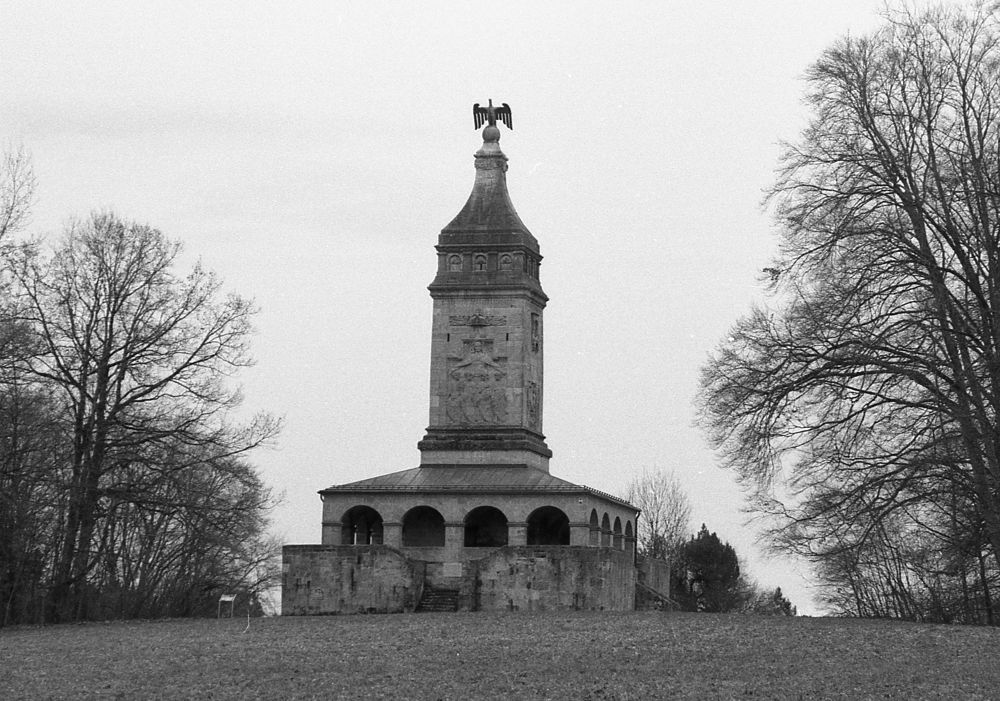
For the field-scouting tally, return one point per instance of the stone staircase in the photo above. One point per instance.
(647, 598)
(438, 600)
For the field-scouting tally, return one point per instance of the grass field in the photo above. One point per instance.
(522, 656)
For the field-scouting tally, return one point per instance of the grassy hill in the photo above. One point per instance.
(523, 656)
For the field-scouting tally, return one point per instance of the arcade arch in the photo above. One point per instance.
(423, 526)
(548, 525)
(485, 527)
(361, 525)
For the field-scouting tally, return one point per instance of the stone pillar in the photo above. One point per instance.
(331, 533)
(454, 535)
(579, 533)
(630, 546)
(392, 534)
(517, 533)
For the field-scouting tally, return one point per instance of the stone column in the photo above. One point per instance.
(454, 536)
(517, 533)
(331, 533)
(392, 534)
(579, 533)
(630, 546)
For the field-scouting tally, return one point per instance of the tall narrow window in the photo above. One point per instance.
(536, 332)
(479, 264)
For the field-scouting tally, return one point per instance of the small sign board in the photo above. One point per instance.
(451, 569)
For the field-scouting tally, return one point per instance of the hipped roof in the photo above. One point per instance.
(506, 479)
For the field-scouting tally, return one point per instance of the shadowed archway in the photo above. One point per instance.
(548, 525)
(361, 525)
(423, 526)
(485, 527)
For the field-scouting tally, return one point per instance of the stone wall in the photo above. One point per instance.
(555, 578)
(653, 584)
(323, 579)
(655, 574)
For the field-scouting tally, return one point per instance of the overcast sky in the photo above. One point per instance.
(311, 153)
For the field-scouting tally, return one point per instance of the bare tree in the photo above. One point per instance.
(28, 497)
(139, 360)
(663, 526)
(871, 389)
(17, 190)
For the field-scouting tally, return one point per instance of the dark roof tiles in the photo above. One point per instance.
(465, 478)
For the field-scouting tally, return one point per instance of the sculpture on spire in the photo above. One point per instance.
(490, 114)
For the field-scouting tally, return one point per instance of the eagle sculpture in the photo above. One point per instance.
(490, 114)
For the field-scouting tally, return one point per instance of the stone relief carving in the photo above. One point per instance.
(476, 388)
(477, 319)
(534, 404)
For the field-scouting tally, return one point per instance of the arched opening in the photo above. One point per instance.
(455, 264)
(548, 526)
(423, 526)
(361, 525)
(595, 529)
(605, 530)
(629, 540)
(485, 527)
(617, 532)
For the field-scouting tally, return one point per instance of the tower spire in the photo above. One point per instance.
(486, 343)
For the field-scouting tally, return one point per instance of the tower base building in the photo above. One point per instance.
(480, 524)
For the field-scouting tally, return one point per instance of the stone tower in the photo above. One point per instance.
(486, 343)
(481, 521)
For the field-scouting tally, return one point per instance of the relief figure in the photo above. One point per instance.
(476, 393)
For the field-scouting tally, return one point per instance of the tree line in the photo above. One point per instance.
(705, 572)
(125, 489)
(861, 403)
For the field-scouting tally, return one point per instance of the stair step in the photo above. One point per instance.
(438, 601)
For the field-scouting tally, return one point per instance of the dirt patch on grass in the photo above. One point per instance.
(524, 656)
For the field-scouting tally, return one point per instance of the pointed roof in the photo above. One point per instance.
(489, 208)
(503, 479)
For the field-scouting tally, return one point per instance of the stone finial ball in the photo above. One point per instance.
(491, 133)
